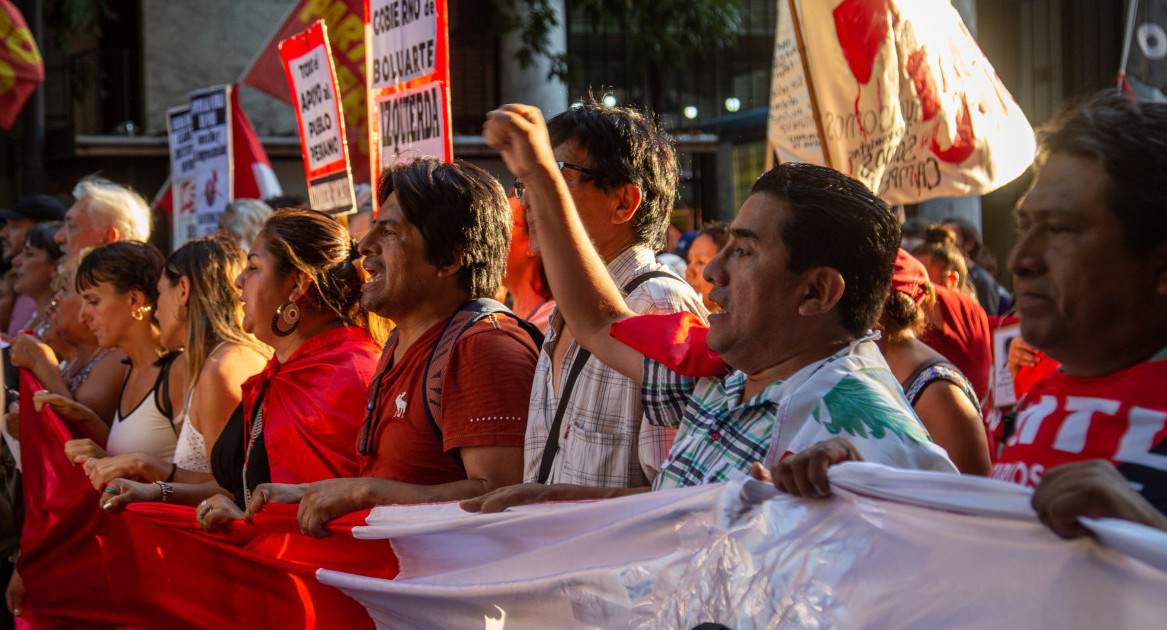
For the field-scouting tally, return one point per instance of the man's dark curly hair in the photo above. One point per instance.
(628, 147)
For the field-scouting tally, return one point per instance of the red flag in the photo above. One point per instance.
(346, 31)
(152, 567)
(21, 67)
(254, 177)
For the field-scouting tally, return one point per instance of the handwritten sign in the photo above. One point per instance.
(903, 99)
(308, 63)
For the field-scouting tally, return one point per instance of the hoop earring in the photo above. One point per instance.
(140, 312)
(288, 312)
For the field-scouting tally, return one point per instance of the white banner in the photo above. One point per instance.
(905, 101)
(403, 35)
(892, 549)
(412, 124)
(180, 129)
(211, 125)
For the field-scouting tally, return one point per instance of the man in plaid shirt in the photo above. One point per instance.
(801, 281)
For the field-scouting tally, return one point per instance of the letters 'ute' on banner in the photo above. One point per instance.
(346, 28)
(409, 82)
(308, 64)
(897, 94)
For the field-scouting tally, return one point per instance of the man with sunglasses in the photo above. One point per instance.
(586, 425)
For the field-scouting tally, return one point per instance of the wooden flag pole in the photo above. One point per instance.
(814, 101)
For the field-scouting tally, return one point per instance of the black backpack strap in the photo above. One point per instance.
(649, 275)
(465, 317)
(551, 448)
(372, 409)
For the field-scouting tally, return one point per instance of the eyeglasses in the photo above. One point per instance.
(590, 172)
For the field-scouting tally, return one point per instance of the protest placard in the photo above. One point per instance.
(414, 124)
(903, 99)
(403, 40)
(408, 73)
(308, 64)
(180, 128)
(213, 168)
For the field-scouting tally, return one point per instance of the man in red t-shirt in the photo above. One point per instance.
(439, 240)
(1090, 274)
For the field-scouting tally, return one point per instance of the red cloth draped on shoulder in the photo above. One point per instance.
(152, 567)
(314, 404)
(676, 340)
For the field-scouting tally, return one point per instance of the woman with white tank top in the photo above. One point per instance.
(118, 284)
(198, 309)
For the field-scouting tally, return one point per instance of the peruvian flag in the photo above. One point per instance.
(254, 177)
(21, 67)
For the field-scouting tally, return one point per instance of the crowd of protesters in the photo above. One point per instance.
(290, 360)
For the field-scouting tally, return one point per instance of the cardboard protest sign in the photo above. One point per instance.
(345, 22)
(308, 64)
(408, 72)
(404, 41)
(180, 128)
(413, 124)
(901, 97)
(213, 168)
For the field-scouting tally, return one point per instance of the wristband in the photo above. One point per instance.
(167, 490)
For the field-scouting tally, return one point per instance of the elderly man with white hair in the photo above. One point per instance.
(104, 213)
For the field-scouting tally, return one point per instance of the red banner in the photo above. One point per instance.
(21, 67)
(344, 19)
(152, 567)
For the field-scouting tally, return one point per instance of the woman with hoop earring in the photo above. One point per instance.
(300, 416)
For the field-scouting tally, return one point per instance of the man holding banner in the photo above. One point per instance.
(425, 271)
(801, 281)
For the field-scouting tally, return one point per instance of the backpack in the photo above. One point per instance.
(461, 321)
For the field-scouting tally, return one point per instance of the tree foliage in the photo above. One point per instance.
(658, 32)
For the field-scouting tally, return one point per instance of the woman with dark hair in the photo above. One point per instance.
(712, 237)
(118, 284)
(940, 395)
(90, 374)
(299, 418)
(35, 267)
(199, 310)
(944, 262)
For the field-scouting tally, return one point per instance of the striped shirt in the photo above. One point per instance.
(604, 440)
